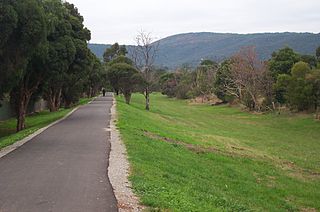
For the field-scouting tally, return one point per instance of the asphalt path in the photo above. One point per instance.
(64, 168)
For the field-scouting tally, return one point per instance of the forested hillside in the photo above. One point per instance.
(190, 48)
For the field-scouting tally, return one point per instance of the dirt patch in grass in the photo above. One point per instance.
(192, 147)
(206, 99)
(308, 210)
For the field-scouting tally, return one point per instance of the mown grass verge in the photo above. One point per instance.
(34, 122)
(204, 158)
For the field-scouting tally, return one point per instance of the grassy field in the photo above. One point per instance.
(34, 122)
(217, 158)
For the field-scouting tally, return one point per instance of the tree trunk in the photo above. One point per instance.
(51, 101)
(147, 96)
(51, 104)
(58, 99)
(54, 100)
(22, 101)
(127, 96)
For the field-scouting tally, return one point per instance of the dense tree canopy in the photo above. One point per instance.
(43, 51)
(282, 61)
(114, 51)
(24, 29)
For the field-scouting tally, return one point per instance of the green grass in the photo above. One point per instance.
(217, 158)
(34, 122)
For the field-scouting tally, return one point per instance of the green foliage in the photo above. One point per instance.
(97, 77)
(280, 88)
(310, 59)
(299, 70)
(300, 88)
(80, 72)
(43, 47)
(223, 79)
(8, 22)
(24, 28)
(208, 63)
(114, 51)
(282, 61)
(313, 78)
(168, 82)
(205, 76)
(318, 53)
(125, 78)
(121, 59)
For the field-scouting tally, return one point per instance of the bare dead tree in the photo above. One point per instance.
(144, 55)
(249, 79)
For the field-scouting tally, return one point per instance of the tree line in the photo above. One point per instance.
(287, 80)
(44, 53)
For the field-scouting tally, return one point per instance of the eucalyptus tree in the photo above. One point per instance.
(97, 76)
(114, 51)
(23, 29)
(24, 53)
(127, 78)
(8, 23)
(113, 72)
(76, 74)
(62, 52)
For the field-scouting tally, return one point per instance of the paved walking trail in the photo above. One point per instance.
(64, 168)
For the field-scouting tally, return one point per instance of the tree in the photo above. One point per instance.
(121, 59)
(97, 77)
(62, 52)
(205, 76)
(186, 79)
(169, 82)
(22, 30)
(114, 78)
(223, 82)
(301, 89)
(114, 51)
(144, 56)
(28, 85)
(250, 81)
(310, 59)
(298, 90)
(8, 23)
(318, 53)
(314, 78)
(282, 61)
(127, 78)
(28, 47)
(77, 74)
(61, 55)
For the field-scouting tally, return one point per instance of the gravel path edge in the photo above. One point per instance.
(118, 170)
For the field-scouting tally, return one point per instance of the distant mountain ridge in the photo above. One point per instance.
(190, 48)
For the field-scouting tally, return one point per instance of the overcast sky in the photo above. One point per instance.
(120, 20)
